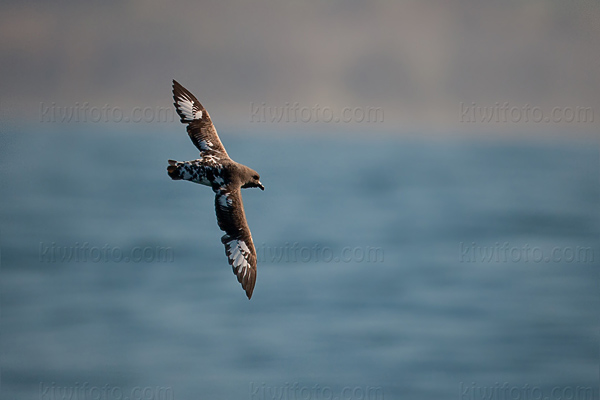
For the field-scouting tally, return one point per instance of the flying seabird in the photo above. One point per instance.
(226, 177)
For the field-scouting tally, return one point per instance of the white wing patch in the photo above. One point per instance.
(211, 158)
(224, 200)
(205, 144)
(186, 106)
(238, 253)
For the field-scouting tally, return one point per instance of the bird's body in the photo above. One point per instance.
(226, 177)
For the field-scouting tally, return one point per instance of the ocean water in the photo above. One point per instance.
(396, 268)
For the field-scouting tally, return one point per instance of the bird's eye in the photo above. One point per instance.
(256, 177)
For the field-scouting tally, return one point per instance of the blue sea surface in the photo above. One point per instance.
(389, 267)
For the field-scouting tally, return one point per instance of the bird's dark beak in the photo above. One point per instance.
(260, 185)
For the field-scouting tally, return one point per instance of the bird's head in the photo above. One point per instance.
(253, 180)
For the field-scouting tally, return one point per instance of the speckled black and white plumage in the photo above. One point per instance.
(226, 177)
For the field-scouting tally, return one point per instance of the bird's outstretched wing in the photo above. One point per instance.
(199, 125)
(237, 239)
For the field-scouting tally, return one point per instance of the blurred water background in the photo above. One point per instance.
(430, 319)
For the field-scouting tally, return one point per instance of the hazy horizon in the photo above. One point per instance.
(428, 65)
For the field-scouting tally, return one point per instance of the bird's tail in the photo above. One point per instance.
(173, 170)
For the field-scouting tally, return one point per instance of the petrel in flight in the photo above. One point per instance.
(226, 177)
